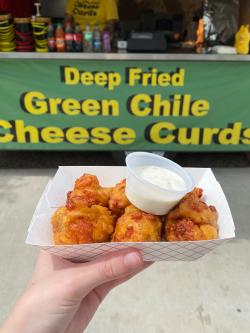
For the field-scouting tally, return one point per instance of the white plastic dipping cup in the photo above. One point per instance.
(149, 197)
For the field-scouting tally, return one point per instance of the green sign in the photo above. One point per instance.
(124, 105)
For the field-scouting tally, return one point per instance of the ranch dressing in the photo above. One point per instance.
(161, 177)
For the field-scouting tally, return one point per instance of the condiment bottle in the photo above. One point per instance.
(69, 37)
(106, 41)
(78, 38)
(242, 40)
(87, 39)
(97, 43)
(60, 38)
(51, 38)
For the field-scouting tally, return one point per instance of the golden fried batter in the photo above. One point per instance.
(191, 220)
(183, 230)
(82, 225)
(88, 192)
(193, 208)
(209, 231)
(136, 226)
(118, 200)
(186, 230)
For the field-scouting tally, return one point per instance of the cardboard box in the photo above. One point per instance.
(54, 196)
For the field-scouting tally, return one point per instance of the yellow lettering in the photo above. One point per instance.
(156, 135)
(101, 79)
(164, 80)
(100, 136)
(146, 78)
(110, 108)
(200, 108)
(246, 135)
(87, 78)
(161, 107)
(34, 102)
(52, 135)
(208, 135)
(135, 105)
(26, 134)
(5, 138)
(71, 75)
(90, 107)
(177, 106)
(230, 136)
(124, 136)
(134, 75)
(189, 136)
(186, 105)
(114, 80)
(178, 78)
(77, 135)
(71, 107)
(53, 105)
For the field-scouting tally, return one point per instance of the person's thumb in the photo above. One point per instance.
(109, 268)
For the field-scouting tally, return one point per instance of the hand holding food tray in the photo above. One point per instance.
(169, 245)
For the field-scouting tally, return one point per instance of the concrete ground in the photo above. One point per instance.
(211, 295)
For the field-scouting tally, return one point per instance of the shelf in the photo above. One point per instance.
(123, 56)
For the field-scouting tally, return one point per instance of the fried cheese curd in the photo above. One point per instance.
(118, 200)
(191, 220)
(137, 226)
(82, 225)
(88, 192)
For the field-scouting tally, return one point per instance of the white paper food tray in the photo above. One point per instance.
(54, 196)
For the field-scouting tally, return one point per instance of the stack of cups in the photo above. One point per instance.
(7, 34)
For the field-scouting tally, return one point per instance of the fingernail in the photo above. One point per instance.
(132, 261)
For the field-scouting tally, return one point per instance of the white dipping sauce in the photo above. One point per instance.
(162, 177)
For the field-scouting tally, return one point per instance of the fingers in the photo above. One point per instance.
(110, 285)
(104, 289)
(110, 268)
